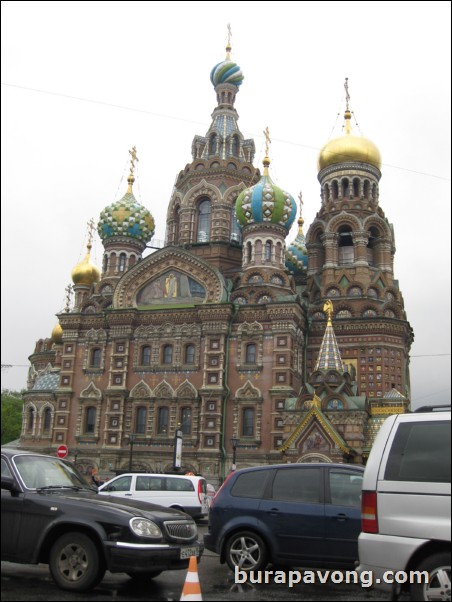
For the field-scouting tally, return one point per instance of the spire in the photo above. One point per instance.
(131, 178)
(266, 160)
(347, 114)
(300, 219)
(228, 45)
(329, 354)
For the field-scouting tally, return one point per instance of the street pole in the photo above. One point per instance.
(234, 442)
(131, 442)
(177, 458)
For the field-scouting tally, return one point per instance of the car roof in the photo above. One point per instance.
(290, 466)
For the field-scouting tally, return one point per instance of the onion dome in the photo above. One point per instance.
(265, 203)
(297, 254)
(227, 72)
(86, 272)
(57, 334)
(349, 147)
(126, 218)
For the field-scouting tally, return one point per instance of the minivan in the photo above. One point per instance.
(184, 492)
(287, 514)
(406, 511)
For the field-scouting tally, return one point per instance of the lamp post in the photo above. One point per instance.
(177, 459)
(234, 449)
(131, 442)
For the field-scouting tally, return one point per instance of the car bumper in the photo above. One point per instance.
(124, 557)
(382, 553)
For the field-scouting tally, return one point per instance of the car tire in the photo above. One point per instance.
(438, 586)
(75, 563)
(246, 551)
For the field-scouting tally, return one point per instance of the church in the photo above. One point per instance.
(230, 344)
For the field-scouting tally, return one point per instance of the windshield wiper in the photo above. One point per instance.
(75, 487)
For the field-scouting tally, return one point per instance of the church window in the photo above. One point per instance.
(167, 356)
(145, 355)
(190, 354)
(236, 234)
(213, 144)
(366, 189)
(356, 187)
(90, 420)
(122, 262)
(335, 190)
(31, 419)
(163, 418)
(185, 421)
(346, 248)
(204, 211)
(47, 420)
(345, 187)
(235, 146)
(140, 421)
(248, 422)
(268, 251)
(250, 355)
(176, 224)
(95, 358)
(105, 263)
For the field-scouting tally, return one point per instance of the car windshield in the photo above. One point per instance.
(38, 472)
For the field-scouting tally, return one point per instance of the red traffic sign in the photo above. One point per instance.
(62, 451)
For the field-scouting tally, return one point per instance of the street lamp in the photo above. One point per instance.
(177, 457)
(234, 449)
(131, 442)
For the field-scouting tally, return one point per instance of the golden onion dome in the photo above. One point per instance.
(86, 272)
(57, 334)
(348, 148)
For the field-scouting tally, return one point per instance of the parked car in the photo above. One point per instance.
(290, 514)
(183, 492)
(211, 492)
(406, 503)
(51, 515)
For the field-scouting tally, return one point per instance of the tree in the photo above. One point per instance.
(11, 415)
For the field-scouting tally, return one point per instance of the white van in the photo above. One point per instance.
(184, 492)
(406, 507)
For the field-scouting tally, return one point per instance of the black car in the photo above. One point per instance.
(288, 515)
(51, 515)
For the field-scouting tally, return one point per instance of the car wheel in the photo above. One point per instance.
(438, 586)
(144, 576)
(75, 563)
(246, 551)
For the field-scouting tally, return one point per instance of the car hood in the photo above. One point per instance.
(106, 502)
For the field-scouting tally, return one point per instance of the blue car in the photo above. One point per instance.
(288, 515)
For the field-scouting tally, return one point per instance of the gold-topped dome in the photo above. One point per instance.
(349, 147)
(57, 334)
(86, 272)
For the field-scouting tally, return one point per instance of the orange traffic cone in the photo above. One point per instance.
(192, 588)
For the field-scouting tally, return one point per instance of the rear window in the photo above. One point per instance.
(251, 484)
(420, 452)
(298, 485)
(179, 484)
(149, 484)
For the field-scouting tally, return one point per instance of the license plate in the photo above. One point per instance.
(187, 552)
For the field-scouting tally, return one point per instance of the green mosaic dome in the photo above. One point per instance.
(126, 217)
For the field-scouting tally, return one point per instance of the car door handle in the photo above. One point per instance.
(273, 511)
(341, 517)
(128, 494)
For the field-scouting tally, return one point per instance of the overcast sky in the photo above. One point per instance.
(83, 82)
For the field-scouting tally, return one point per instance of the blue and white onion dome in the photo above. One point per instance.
(297, 253)
(126, 217)
(226, 72)
(266, 203)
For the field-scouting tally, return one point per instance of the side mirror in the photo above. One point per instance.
(10, 484)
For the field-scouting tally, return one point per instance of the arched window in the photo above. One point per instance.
(140, 421)
(30, 419)
(90, 421)
(345, 187)
(248, 422)
(185, 421)
(268, 251)
(335, 189)
(250, 355)
(190, 354)
(249, 252)
(204, 211)
(346, 248)
(163, 418)
(105, 262)
(366, 189)
(370, 250)
(122, 262)
(213, 144)
(167, 356)
(235, 146)
(176, 224)
(145, 356)
(236, 233)
(47, 420)
(356, 187)
(95, 358)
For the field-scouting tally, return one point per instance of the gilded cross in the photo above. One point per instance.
(68, 290)
(300, 196)
(133, 154)
(229, 34)
(267, 141)
(347, 95)
(91, 227)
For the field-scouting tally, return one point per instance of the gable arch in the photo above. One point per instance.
(202, 189)
(186, 391)
(343, 219)
(382, 227)
(164, 391)
(141, 390)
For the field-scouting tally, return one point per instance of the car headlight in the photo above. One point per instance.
(144, 528)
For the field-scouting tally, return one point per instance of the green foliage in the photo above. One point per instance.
(11, 415)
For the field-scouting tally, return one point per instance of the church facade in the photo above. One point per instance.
(244, 345)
